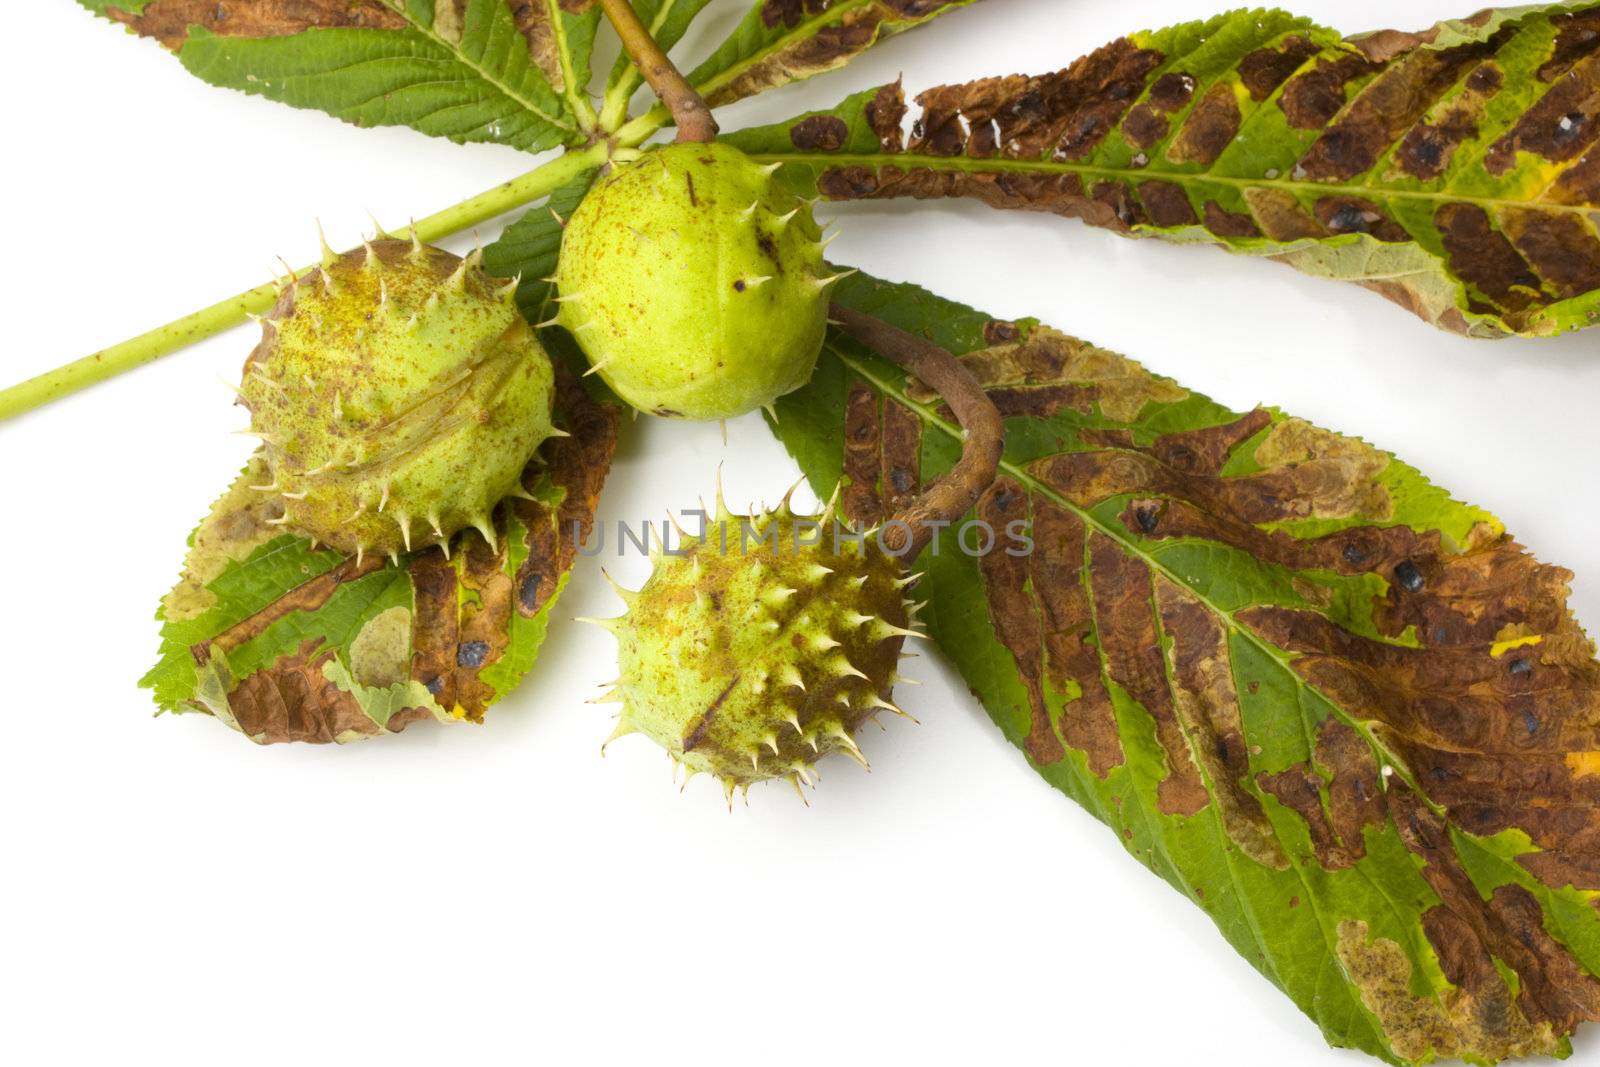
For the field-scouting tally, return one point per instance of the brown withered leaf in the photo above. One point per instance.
(287, 643)
(1455, 171)
(294, 700)
(171, 21)
(469, 70)
(782, 41)
(1349, 717)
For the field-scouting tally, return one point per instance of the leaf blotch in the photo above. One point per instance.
(1479, 1021)
(1262, 71)
(822, 133)
(1210, 128)
(292, 700)
(169, 21)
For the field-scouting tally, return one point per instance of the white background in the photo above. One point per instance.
(171, 893)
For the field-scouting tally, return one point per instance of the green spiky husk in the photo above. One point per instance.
(399, 395)
(695, 283)
(750, 659)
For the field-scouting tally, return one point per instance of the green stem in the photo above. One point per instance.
(614, 109)
(637, 131)
(207, 322)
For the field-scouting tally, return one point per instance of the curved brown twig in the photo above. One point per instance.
(689, 110)
(951, 496)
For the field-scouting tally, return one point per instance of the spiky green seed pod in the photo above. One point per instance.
(751, 656)
(695, 283)
(399, 394)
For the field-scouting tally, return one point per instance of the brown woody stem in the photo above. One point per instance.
(951, 496)
(689, 110)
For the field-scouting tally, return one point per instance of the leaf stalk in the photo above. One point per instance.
(225, 314)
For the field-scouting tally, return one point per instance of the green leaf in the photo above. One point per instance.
(578, 23)
(1345, 715)
(528, 248)
(469, 70)
(782, 41)
(288, 643)
(1453, 171)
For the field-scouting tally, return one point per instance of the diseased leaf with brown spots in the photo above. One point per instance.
(782, 41)
(1455, 171)
(1347, 716)
(287, 643)
(507, 71)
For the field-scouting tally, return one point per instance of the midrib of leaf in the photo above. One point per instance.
(1214, 816)
(1385, 755)
(965, 164)
(574, 92)
(399, 7)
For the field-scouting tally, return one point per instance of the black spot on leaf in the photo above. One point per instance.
(1409, 577)
(528, 594)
